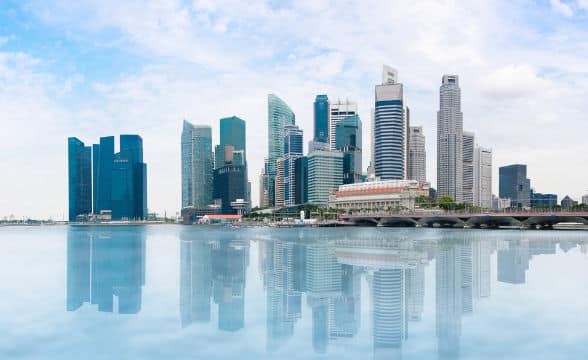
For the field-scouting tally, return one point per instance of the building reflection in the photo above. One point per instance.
(213, 270)
(105, 267)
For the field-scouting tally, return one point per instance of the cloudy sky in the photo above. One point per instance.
(94, 68)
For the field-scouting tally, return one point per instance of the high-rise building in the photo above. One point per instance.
(390, 128)
(450, 140)
(79, 166)
(120, 180)
(232, 132)
(325, 174)
(338, 111)
(321, 118)
(279, 115)
(483, 177)
(468, 144)
(348, 141)
(230, 184)
(417, 155)
(279, 184)
(197, 165)
(301, 180)
(513, 184)
(263, 189)
(293, 149)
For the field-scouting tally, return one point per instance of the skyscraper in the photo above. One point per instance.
(348, 141)
(79, 178)
(279, 115)
(390, 128)
(325, 174)
(417, 156)
(513, 184)
(338, 111)
(468, 167)
(102, 165)
(293, 149)
(483, 177)
(197, 165)
(450, 140)
(321, 118)
(233, 132)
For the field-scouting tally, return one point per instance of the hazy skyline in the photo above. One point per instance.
(91, 69)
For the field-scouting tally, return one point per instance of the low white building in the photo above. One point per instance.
(388, 195)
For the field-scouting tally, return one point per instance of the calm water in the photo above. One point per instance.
(163, 292)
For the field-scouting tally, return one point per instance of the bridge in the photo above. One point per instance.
(523, 219)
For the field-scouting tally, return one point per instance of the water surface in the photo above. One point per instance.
(163, 292)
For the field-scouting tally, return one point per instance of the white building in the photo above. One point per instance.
(450, 140)
(387, 195)
(338, 111)
(483, 177)
(417, 156)
(468, 167)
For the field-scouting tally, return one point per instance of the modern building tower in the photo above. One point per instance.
(390, 128)
(293, 149)
(325, 174)
(79, 166)
(338, 111)
(450, 140)
(348, 141)
(197, 165)
(232, 132)
(102, 165)
(513, 184)
(279, 115)
(321, 119)
(468, 167)
(417, 155)
(483, 177)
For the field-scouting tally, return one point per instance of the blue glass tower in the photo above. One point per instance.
(103, 157)
(348, 141)
(293, 149)
(232, 132)
(321, 118)
(79, 178)
(513, 184)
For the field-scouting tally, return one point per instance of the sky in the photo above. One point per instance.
(96, 68)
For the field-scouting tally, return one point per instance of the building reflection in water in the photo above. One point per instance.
(105, 267)
(213, 270)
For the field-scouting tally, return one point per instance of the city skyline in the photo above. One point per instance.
(119, 77)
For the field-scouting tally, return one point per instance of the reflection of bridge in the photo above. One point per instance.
(449, 219)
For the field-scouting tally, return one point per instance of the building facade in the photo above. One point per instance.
(543, 200)
(468, 167)
(379, 196)
(321, 119)
(197, 165)
(79, 172)
(325, 174)
(482, 177)
(230, 184)
(513, 184)
(450, 140)
(391, 122)
(348, 136)
(279, 116)
(293, 149)
(338, 111)
(301, 180)
(417, 155)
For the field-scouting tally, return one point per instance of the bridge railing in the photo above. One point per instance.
(509, 213)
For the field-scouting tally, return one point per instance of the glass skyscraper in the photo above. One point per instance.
(102, 164)
(279, 115)
(513, 184)
(348, 141)
(79, 178)
(197, 165)
(321, 118)
(390, 128)
(293, 149)
(325, 174)
(232, 132)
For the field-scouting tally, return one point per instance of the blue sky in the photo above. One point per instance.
(89, 69)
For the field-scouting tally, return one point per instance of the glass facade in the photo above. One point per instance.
(513, 184)
(103, 158)
(325, 174)
(279, 115)
(540, 200)
(348, 141)
(301, 180)
(230, 184)
(197, 165)
(321, 118)
(79, 178)
(232, 132)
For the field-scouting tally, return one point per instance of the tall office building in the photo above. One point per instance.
(468, 167)
(293, 149)
(338, 111)
(279, 115)
(263, 189)
(348, 141)
(321, 119)
(513, 184)
(79, 172)
(483, 177)
(197, 165)
(325, 174)
(417, 155)
(233, 132)
(301, 180)
(450, 140)
(120, 179)
(391, 122)
(279, 184)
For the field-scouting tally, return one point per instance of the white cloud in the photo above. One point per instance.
(561, 8)
(514, 81)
